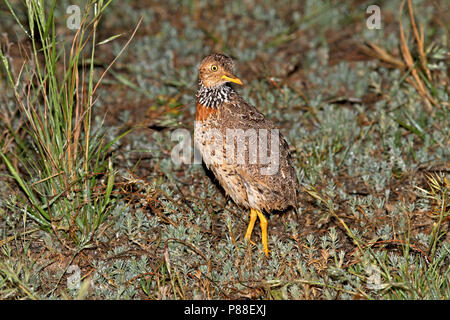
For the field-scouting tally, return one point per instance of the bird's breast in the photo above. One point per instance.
(204, 113)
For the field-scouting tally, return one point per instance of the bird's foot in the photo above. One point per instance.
(250, 241)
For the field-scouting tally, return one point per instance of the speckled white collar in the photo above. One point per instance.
(214, 96)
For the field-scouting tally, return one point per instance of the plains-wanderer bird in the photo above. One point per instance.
(245, 151)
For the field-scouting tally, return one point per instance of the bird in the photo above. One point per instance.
(244, 150)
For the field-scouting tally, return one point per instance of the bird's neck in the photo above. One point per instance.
(213, 97)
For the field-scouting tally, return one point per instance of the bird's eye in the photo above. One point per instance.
(214, 67)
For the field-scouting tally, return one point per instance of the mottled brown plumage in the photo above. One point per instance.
(225, 123)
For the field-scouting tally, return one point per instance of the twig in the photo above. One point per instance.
(395, 241)
(407, 57)
(419, 40)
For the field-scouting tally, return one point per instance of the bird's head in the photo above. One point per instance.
(217, 69)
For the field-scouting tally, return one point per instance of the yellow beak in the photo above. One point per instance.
(232, 79)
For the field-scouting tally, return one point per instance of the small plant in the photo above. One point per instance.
(439, 193)
(57, 159)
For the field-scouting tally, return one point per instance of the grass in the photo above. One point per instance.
(90, 211)
(61, 163)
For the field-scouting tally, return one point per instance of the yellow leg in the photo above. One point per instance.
(263, 222)
(251, 224)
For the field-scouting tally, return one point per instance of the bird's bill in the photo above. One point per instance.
(232, 78)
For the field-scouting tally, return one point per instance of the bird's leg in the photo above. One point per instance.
(251, 224)
(263, 222)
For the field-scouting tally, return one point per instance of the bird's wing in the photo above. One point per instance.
(244, 115)
(282, 185)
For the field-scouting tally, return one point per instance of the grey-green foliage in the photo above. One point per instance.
(354, 165)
